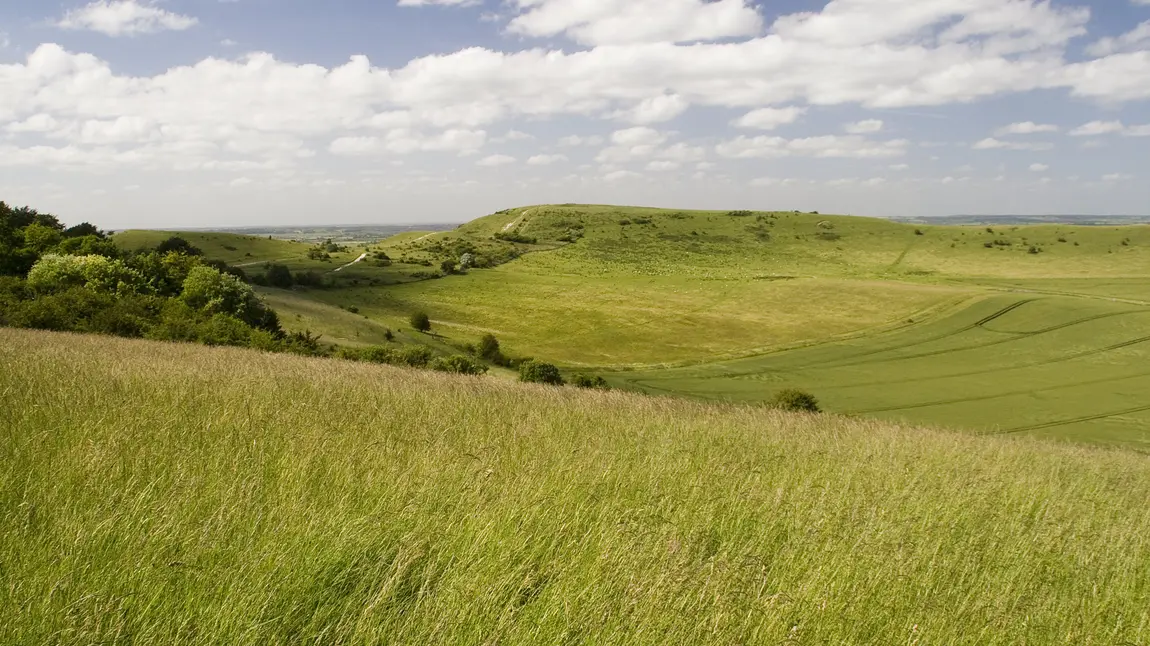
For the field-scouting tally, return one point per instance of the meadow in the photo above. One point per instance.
(874, 317)
(159, 493)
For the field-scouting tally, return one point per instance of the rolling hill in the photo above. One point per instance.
(192, 499)
(1024, 329)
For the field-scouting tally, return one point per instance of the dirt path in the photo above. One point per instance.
(360, 259)
(512, 224)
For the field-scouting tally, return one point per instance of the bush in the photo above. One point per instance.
(279, 276)
(420, 322)
(98, 273)
(489, 350)
(416, 356)
(537, 372)
(447, 267)
(458, 364)
(795, 400)
(178, 245)
(587, 381)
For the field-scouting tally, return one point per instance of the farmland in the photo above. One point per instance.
(1036, 329)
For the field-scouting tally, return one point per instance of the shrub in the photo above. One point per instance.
(279, 276)
(515, 237)
(178, 245)
(99, 273)
(420, 322)
(389, 335)
(537, 372)
(587, 381)
(416, 356)
(447, 267)
(739, 214)
(791, 399)
(489, 350)
(458, 364)
(918, 232)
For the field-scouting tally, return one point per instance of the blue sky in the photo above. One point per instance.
(211, 113)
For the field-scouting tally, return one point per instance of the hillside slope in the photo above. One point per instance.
(177, 494)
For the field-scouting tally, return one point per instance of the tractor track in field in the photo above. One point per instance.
(1017, 336)
(1067, 422)
(1021, 366)
(963, 400)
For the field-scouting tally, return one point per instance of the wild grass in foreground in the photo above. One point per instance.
(177, 494)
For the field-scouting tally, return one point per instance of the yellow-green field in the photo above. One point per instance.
(166, 494)
(873, 317)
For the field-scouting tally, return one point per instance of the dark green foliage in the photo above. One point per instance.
(88, 246)
(447, 267)
(279, 276)
(587, 381)
(310, 278)
(791, 399)
(458, 364)
(739, 214)
(537, 372)
(514, 236)
(918, 232)
(420, 322)
(489, 350)
(318, 253)
(84, 229)
(178, 245)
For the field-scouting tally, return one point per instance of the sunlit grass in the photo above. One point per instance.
(170, 494)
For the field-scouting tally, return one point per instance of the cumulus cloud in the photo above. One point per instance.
(1139, 37)
(545, 160)
(851, 146)
(445, 3)
(124, 18)
(991, 143)
(1039, 168)
(769, 118)
(496, 160)
(614, 22)
(1025, 128)
(655, 109)
(1095, 128)
(864, 127)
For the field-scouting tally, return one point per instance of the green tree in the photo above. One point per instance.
(420, 322)
(537, 372)
(54, 273)
(794, 400)
(178, 245)
(280, 276)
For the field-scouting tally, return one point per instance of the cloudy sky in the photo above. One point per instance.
(213, 112)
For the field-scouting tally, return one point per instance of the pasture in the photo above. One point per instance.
(190, 499)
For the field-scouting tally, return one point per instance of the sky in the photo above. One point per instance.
(211, 113)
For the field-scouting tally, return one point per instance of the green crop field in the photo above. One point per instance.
(1038, 329)
(224, 496)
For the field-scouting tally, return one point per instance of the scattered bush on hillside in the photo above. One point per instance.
(466, 261)
(457, 364)
(739, 214)
(178, 245)
(489, 350)
(537, 372)
(829, 236)
(515, 236)
(447, 267)
(791, 399)
(318, 253)
(420, 322)
(279, 276)
(918, 232)
(310, 278)
(587, 381)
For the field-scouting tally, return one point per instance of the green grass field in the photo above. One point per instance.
(873, 317)
(167, 494)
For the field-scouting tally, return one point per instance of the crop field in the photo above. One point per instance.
(874, 317)
(192, 499)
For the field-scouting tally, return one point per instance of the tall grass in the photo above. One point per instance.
(168, 494)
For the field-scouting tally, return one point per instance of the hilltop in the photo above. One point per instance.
(192, 500)
(1022, 329)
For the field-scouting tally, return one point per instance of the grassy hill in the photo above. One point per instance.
(194, 499)
(875, 317)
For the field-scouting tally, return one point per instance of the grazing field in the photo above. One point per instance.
(872, 316)
(166, 494)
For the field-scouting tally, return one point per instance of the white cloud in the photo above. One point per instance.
(124, 18)
(1039, 168)
(1025, 128)
(1095, 128)
(402, 141)
(496, 160)
(613, 22)
(575, 140)
(769, 118)
(655, 109)
(827, 146)
(545, 160)
(1115, 177)
(617, 175)
(899, 167)
(445, 3)
(1137, 131)
(997, 144)
(864, 127)
(1139, 37)
(662, 166)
